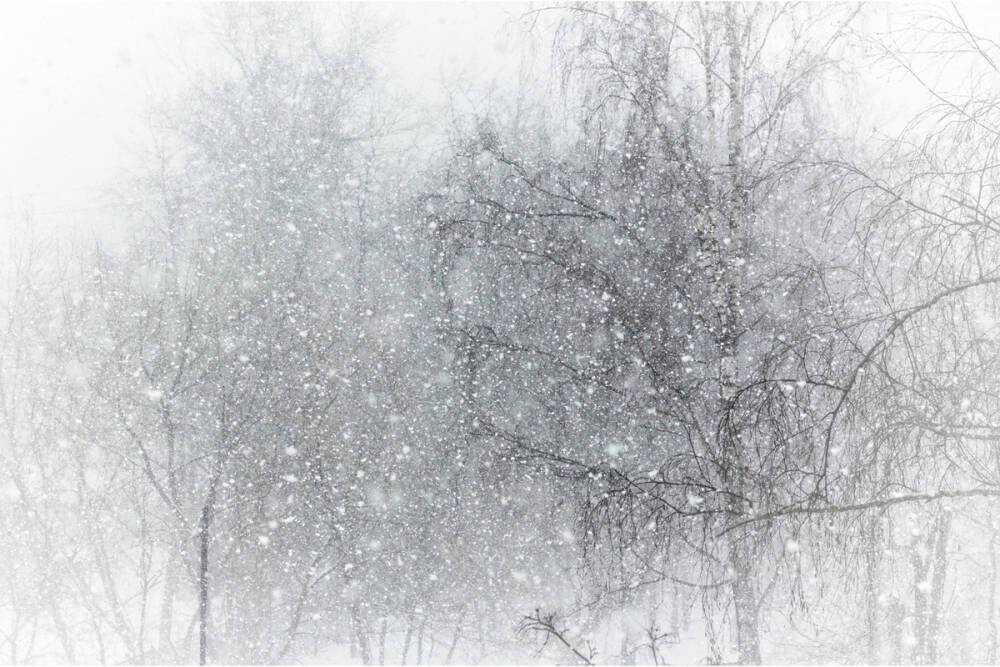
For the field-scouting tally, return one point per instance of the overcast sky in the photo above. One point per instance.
(76, 80)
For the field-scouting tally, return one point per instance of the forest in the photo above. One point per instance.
(681, 345)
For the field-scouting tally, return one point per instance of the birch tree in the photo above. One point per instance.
(640, 293)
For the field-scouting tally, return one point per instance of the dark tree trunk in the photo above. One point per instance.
(203, 587)
(360, 635)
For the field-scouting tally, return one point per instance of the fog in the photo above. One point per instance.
(79, 80)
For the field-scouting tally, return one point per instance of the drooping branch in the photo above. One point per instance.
(881, 503)
(546, 623)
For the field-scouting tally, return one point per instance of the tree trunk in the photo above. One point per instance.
(745, 604)
(204, 538)
(360, 635)
(203, 602)
(895, 616)
(381, 640)
(406, 640)
(454, 644)
(166, 645)
(675, 611)
(939, 572)
(61, 631)
(872, 593)
(929, 570)
(921, 564)
(991, 655)
(714, 654)
(420, 642)
(730, 260)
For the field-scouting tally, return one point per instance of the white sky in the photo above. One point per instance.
(76, 79)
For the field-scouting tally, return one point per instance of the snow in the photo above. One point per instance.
(590, 355)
